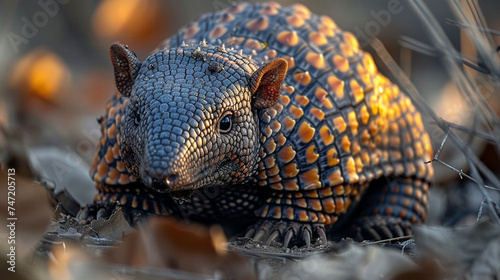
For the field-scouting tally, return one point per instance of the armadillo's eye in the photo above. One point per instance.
(225, 123)
(137, 117)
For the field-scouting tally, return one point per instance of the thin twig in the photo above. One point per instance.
(483, 44)
(473, 160)
(442, 144)
(448, 55)
(466, 129)
(420, 47)
(386, 240)
(463, 26)
(460, 172)
(480, 211)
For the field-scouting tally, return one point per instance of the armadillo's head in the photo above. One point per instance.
(191, 120)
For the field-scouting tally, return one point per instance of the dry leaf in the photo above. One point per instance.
(66, 174)
(71, 262)
(163, 242)
(113, 228)
(471, 251)
(358, 262)
(31, 208)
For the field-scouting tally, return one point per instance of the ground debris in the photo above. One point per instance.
(356, 262)
(470, 252)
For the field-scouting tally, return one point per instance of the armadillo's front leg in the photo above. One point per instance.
(290, 221)
(135, 202)
(299, 218)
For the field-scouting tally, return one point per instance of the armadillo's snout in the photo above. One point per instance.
(160, 181)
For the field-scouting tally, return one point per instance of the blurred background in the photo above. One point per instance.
(55, 72)
(55, 77)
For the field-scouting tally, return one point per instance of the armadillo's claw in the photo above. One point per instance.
(83, 214)
(278, 231)
(250, 232)
(263, 231)
(288, 233)
(386, 232)
(398, 230)
(307, 238)
(276, 234)
(260, 235)
(320, 230)
(101, 213)
(380, 228)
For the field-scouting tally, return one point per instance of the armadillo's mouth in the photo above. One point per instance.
(179, 189)
(194, 183)
(200, 180)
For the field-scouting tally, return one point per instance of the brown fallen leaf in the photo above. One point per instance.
(113, 228)
(69, 261)
(31, 211)
(163, 242)
(65, 174)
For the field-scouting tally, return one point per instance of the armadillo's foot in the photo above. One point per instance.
(96, 211)
(380, 228)
(289, 233)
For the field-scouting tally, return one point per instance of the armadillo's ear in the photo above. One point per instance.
(126, 67)
(265, 83)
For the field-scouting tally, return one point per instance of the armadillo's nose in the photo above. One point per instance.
(160, 182)
(171, 180)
